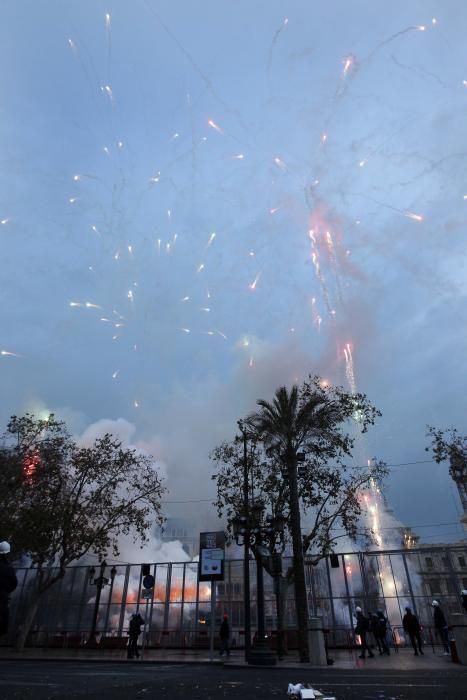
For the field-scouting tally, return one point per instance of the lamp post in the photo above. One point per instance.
(99, 581)
(246, 551)
(251, 531)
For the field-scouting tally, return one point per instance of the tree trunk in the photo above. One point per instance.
(25, 625)
(301, 601)
(281, 587)
(32, 605)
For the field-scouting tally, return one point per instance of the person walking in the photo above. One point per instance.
(441, 626)
(224, 634)
(8, 583)
(379, 625)
(362, 628)
(412, 627)
(134, 631)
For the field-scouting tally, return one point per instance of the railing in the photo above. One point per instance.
(178, 613)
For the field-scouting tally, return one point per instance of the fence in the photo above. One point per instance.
(178, 612)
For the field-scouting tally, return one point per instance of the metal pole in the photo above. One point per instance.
(109, 602)
(213, 621)
(92, 636)
(260, 598)
(145, 630)
(246, 552)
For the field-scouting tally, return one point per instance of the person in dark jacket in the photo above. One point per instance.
(412, 627)
(134, 631)
(224, 634)
(8, 583)
(362, 628)
(441, 626)
(379, 626)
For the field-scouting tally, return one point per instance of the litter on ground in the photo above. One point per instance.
(306, 692)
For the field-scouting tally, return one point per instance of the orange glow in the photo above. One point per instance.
(31, 462)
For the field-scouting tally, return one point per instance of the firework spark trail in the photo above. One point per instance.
(255, 282)
(349, 369)
(108, 30)
(372, 500)
(349, 69)
(274, 41)
(317, 320)
(334, 264)
(393, 37)
(215, 126)
(320, 277)
(405, 212)
(204, 77)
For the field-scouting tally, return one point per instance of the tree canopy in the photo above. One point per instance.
(310, 419)
(60, 501)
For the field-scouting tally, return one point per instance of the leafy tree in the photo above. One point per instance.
(296, 460)
(60, 501)
(450, 445)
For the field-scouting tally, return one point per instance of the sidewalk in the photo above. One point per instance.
(403, 660)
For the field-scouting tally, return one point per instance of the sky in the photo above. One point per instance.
(200, 202)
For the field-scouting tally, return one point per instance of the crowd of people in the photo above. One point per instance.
(377, 625)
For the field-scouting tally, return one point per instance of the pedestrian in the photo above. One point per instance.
(224, 634)
(412, 627)
(379, 626)
(362, 628)
(441, 626)
(8, 583)
(464, 599)
(136, 621)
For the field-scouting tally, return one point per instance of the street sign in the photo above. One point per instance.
(211, 556)
(147, 593)
(148, 581)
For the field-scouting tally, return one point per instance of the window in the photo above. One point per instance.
(220, 588)
(452, 589)
(445, 562)
(237, 588)
(429, 562)
(461, 561)
(434, 588)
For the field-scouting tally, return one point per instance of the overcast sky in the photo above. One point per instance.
(165, 162)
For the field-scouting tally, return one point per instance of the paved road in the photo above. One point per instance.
(33, 680)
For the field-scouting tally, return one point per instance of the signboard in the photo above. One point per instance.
(211, 556)
(147, 593)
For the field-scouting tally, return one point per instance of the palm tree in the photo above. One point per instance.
(294, 421)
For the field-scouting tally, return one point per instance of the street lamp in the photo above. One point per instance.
(99, 581)
(252, 531)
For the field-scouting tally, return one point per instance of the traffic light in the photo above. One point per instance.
(334, 559)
